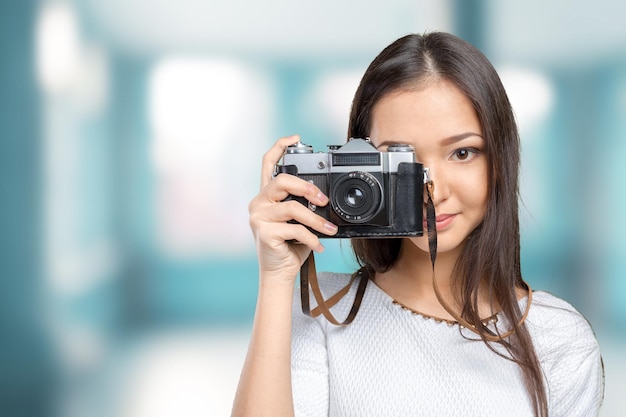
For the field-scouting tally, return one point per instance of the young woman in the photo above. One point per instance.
(466, 337)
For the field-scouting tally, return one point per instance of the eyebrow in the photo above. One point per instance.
(445, 142)
(457, 138)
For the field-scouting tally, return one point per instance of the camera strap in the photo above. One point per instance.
(308, 276)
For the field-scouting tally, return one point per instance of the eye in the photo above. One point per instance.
(464, 154)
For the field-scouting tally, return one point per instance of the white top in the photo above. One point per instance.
(393, 362)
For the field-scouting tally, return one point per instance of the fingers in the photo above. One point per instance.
(293, 210)
(264, 211)
(279, 233)
(273, 155)
(270, 215)
(272, 206)
(284, 185)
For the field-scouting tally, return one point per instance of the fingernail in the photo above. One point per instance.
(322, 198)
(319, 248)
(330, 227)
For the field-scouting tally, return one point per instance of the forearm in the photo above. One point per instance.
(265, 384)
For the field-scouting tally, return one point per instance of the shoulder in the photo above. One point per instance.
(569, 354)
(558, 328)
(565, 342)
(330, 283)
(555, 319)
(309, 334)
(341, 289)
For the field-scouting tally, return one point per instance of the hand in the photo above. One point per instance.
(269, 216)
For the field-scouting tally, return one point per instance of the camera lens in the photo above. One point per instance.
(356, 196)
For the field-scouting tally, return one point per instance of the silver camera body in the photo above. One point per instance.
(372, 194)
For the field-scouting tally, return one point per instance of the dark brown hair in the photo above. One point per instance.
(492, 251)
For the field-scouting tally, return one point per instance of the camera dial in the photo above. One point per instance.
(400, 147)
(299, 148)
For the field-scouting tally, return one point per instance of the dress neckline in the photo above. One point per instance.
(491, 320)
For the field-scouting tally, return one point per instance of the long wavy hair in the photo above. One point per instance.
(492, 251)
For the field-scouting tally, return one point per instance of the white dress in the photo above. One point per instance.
(393, 362)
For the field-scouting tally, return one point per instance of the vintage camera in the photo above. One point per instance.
(372, 194)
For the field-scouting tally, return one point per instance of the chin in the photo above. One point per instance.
(444, 245)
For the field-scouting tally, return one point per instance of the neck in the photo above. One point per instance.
(410, 280)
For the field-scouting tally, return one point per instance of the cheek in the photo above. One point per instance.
(474, 187)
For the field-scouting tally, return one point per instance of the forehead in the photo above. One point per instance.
(435, 110)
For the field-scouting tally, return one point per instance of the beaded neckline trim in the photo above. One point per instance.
(489, 320)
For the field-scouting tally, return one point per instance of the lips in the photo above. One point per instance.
(442, 221)
(443, 217)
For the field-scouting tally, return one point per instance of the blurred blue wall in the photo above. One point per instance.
(26, 364)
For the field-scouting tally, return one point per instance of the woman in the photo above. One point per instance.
(464, 337)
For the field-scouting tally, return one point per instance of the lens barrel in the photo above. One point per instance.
(356, 196)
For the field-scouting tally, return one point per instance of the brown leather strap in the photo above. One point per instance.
(308, 276)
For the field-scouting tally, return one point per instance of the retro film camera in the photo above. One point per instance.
(372, 194)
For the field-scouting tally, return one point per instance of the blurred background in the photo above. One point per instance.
(130, 140)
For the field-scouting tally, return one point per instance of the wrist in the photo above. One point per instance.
(278, 277)
(276, 282)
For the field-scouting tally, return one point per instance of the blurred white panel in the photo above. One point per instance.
(531, 94)
(561, 32)
(271, 27)
(57, 45)
(202, 112)
(330, 100)
(532, 97)
(182, 374)
(74, 78)
(68, 65)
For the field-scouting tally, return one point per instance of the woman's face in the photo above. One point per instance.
(438, 120)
